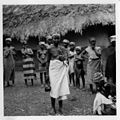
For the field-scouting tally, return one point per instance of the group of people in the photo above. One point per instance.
(61, 66)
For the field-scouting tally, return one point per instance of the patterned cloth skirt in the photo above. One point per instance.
(29, 68)
(93, 66)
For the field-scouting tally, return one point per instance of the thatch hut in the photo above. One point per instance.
(75, 22)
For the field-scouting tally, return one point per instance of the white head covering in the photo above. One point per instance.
(56, 36)
(49, 37)
(41, 43)
(65, 41)
(78, 47)
(72, 43)
(112, 38)
(8, 39)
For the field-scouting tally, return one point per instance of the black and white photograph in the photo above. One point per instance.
(59, 59)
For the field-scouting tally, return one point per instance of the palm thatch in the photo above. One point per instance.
(40, 20)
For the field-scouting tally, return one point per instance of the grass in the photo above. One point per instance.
(34, 101)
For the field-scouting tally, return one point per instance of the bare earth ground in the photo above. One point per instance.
(34, 101)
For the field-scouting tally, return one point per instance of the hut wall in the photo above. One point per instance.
(83, 41)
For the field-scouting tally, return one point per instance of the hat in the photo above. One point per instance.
(98, 77)
(41, 43)
(49, 37)
(8, 39)
(65, 41)
(112, 38)
(78, 48)
(72, 43)
(56, 36)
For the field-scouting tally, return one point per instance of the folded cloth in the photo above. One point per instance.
(59, 79)
(99, 100)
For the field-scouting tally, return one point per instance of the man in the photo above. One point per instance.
(28, 64)
(58, 74)
(94, 61)
(42, 58)
(105, 53)
(9, 62)
(110, 70)
(71, 62)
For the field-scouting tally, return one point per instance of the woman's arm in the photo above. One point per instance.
(83, 54)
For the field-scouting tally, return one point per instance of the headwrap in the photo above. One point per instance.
(72, 43)
(98, 77)
(66, 41)
(112, 38)
(56, 36)
(8, 39)
(41, 43)
(78, 48)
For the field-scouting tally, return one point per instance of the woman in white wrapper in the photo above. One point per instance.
(58, 74)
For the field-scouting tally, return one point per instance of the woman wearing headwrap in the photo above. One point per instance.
(28, 64)
(9, 62)
(42, 58)
(94, 61)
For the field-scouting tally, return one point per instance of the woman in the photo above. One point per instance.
(42, 58)
(9, 62)
(94, 61)
(28, 64)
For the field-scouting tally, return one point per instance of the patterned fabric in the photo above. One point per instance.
(42, 55)
(94, 63)
(28, 68)
(91, 53)
(9, 63)
(28, 64)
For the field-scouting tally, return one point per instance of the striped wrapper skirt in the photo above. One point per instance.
(29, 68)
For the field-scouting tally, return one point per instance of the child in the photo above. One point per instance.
(71, 62)
(42, 57)
(78, 66)
(102, 104)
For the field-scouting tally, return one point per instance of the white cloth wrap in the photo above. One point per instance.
(99, 100)
(59, 79)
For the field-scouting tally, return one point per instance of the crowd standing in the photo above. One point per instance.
(61, 66)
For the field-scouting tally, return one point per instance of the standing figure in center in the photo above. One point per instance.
(58, 74)
(42, 58)
(71, 63)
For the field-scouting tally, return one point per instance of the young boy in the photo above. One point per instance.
(71, 62)
(78, 66)
(102, 104)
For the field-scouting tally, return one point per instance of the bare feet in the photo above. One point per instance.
(52, 112)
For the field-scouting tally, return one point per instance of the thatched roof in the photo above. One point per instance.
(41, 20)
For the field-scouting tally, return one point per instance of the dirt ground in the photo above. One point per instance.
(34, 101)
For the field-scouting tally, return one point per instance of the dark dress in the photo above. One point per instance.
(110, 71)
